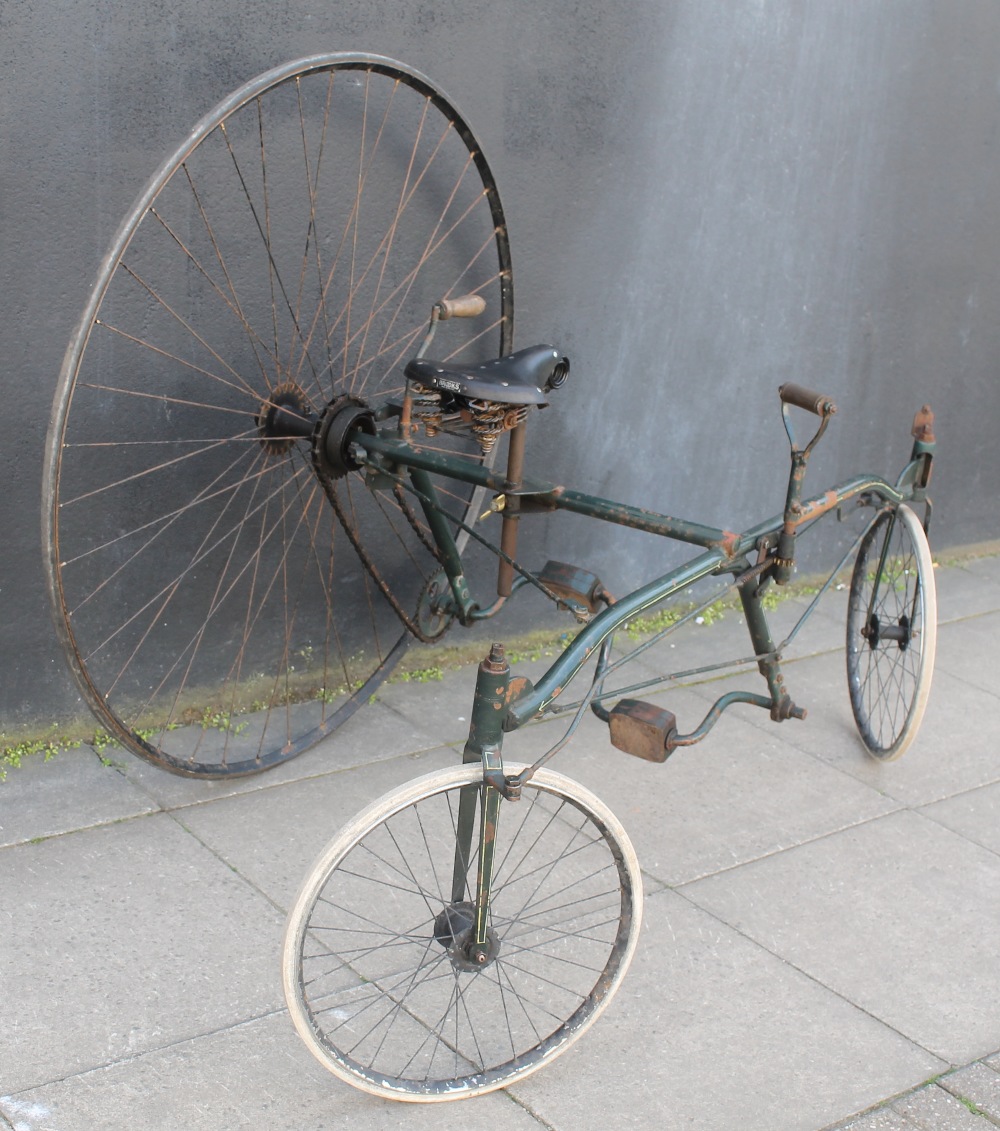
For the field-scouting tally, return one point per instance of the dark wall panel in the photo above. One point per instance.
(705, 199)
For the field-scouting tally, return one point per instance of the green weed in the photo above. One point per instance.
(970, 1105)
(12, 754)
(713, 613)
(419, 675)
(221, 720)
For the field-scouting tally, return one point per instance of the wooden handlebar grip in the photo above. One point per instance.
(468, 306)
(819, 403)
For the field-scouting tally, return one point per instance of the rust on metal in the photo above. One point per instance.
(496, 662)
(573, 584)
(807, 399)
(923, 425)
(406, 417)
(518, 686)
(728, 543)
(643, 729)
(511, 510)
(804, 512)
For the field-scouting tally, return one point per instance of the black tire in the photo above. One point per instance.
(212, 604)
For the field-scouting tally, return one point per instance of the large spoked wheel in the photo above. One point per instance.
(891, 632)
(375, 972)
(224, 604)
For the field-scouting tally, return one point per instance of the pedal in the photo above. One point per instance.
(575, 585)
(642, 729)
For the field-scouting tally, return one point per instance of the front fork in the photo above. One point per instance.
(484, 745)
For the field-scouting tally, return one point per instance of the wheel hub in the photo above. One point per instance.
(342, 418)
(284, 418)
(454, 930)
(875, 632)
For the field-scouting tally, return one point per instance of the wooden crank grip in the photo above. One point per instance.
(818, 403)
(467, 306)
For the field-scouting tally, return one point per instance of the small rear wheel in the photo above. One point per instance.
(376, 966)
(891, 632)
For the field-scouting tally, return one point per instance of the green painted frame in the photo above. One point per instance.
(725, 551)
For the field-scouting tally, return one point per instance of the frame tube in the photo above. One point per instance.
(725, 550)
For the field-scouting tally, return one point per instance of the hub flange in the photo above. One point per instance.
(342, 419)
(454, 930)
(283, 418)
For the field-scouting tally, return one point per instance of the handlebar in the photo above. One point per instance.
(819, 403)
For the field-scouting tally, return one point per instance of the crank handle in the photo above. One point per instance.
(467, 306)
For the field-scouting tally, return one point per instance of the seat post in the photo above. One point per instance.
(512, 507)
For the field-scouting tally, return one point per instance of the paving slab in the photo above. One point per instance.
(824, 950)
(965, 591)
(272, 837)
(72, 790)
(373, 733)
(979, 1085)
(120, 939)
(710, 1031)
(897, 915)
(256, 1075)
(439, 707)
(972, 653)
(986, 567)
(950, 754)
(974, 815)
(741, 794)
(725, 638)
(822, 631)
(884, 1119)
(934, 1109)
(930, 1110)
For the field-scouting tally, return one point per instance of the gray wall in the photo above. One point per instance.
(705, 199)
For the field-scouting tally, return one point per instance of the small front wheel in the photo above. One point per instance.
(891, 632)
(377, 969)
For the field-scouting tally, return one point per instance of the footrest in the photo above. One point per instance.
(642, 729)
(574, 584)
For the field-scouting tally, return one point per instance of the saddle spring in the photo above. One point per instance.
(485, 420)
